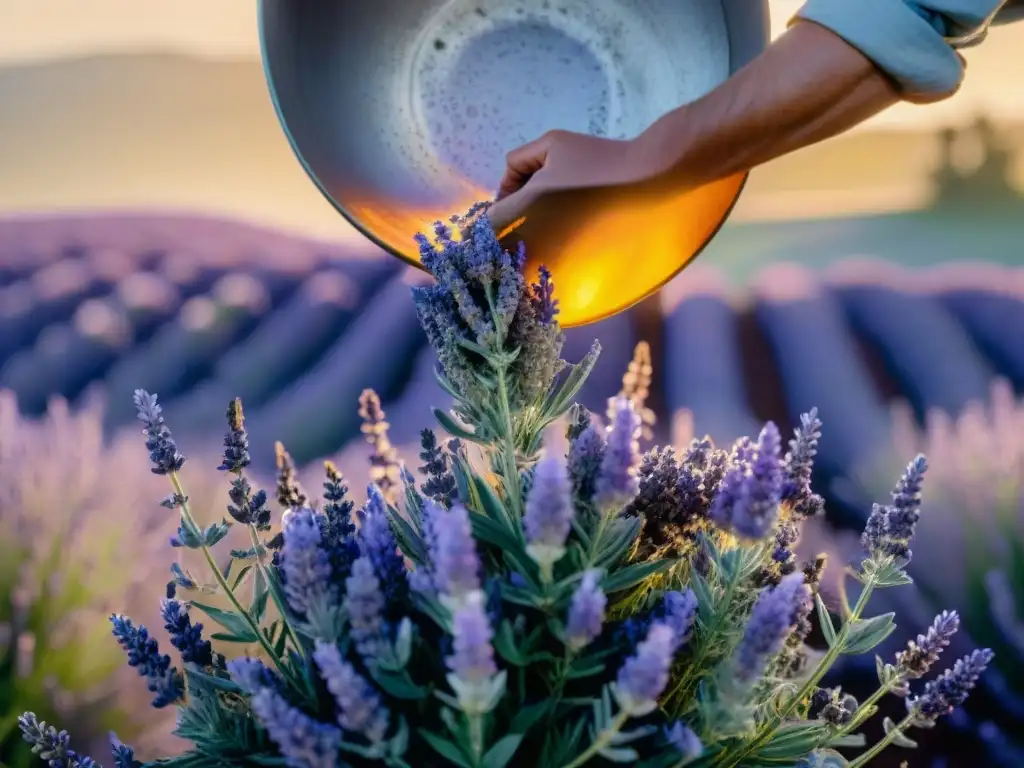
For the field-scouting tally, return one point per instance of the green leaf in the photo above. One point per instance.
(527, 717)
(400, 686)
(505, 645)
(230, 620)
(586, 667)
(827, 627)
(445, 748)
(499, 755)
(241, 575)
(865, 634)
(898, 739)
(631, 575)
(795, 740)
(260, 593)
(227, 637)
(449, 425)
(562, 396)
(620, 754)
(210, 681)
(850, 741)
(490, 505)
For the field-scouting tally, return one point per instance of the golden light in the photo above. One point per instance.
(601, 263)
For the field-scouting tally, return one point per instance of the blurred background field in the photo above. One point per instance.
(157, 232)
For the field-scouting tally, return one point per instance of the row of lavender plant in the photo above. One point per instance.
(561, 611)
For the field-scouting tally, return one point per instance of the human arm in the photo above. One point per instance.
(825, 75)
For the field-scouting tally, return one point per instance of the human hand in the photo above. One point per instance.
(561, 164)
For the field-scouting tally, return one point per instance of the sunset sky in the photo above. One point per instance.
(42, 29)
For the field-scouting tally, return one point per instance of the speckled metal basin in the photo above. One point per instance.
(402, 111)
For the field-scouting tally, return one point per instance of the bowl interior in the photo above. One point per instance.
(402, 113)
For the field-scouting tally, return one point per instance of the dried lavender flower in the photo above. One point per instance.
(289, 493)
(772, 619)
(163, 452)
(543, 300)
(547, 519)
(616, 483)
(586, 612)
(385, 469)
(950, 689)
(359, 707)
(304, 743)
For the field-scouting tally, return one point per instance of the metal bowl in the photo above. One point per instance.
(402, 111)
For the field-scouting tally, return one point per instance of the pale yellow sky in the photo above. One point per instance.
(41, 29)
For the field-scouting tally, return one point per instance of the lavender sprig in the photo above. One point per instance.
(549, 513)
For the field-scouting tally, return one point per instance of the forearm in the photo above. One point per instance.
(808, 86)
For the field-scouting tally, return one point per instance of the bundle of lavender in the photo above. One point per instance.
(529, 608)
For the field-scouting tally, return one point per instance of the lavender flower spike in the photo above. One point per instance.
(680, 614)
(950, 689)
(304, 743)
(306, 573)
(773, 618)
(684, 740)
(251, 675)
(643, 677)
(163, 452)
(919, 656)
(890, 528)
(456, 563)
(144, 655)
(359, 707)
(364, 608)
(617, 482)
(748, 503)
(51, 745)
(586, 612)
(474, 676)
(548, 515)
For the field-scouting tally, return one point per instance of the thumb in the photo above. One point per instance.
(508, 210)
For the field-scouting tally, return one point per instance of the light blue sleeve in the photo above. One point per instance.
(913, 41)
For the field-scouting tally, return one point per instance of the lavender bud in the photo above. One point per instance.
(472, 660)
(456, 563)
(748, 500)
(950, 689)
(548, 516)
(303, 742)
(684, 741)
(617, 483)
(774, 616)
(305, 566)
(359, 707)
(163, 680)
(251, 675)
(643, 676)
(919, 656)
(163, 453)
(364, 607)
(586, 612)
(186, 636)
(680, 613)
(890, 528)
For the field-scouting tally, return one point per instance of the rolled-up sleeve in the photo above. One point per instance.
(913, 41)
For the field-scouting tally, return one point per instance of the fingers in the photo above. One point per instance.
(521, 163)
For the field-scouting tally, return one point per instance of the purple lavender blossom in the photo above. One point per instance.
(950, 689)
(252, 675)
(163, 680)
(748, 501)
(440, 484)
(617, 482)
(919, 655)
(680, 613)
(377, 542)
(364, 607)
(122, 754)
(51, 745)
(304, 743)
(586, 454)
(472, 659)
(163, 452)
(890, 528)
(305, 566)
(456, 563)
(548, 516)
(684, 740)
(359, 707)
(643, 676)
(186, 636)
(543, 299)
(236, 441)
(798, 465)
(772, 619)
(586, 612)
